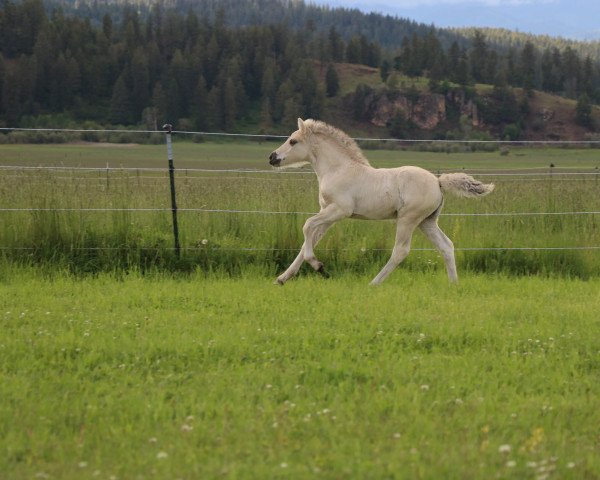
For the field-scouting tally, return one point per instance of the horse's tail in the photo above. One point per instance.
(464, 185)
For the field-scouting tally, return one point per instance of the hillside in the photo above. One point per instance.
(549, 117)
(220, 68)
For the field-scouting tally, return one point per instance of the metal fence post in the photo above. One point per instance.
(168, 128)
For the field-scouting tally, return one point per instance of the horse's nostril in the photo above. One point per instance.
(273, 160)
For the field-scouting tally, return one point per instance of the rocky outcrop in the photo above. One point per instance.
(426, 111)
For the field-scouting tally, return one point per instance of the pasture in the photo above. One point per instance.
(122, 238)
(159, 377)
(118, 360)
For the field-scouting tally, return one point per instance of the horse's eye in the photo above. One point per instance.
(293, 142)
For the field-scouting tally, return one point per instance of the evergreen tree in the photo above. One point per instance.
(200, 108)
(478, 58)
(528, 67)
(332, 82)
(160, 103)
(120, 103)
(583, 111)
(336, 45)
(384, 70)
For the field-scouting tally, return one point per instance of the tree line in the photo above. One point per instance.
(552, 70)
(163, 64)
(166, 65)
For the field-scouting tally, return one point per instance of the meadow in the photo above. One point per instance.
(219, 377)
(120, 361)
(89, 241)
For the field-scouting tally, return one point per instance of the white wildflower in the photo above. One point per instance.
(504, 448)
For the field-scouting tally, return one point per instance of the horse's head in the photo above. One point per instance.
(295, 150)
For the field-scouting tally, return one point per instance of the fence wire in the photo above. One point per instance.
(268, 136)
(267, 212)
(283, 171)
(525, 176)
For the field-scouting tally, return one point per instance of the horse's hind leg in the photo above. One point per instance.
(401, 248)
(445, 246)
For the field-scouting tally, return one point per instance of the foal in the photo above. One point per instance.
(349, 187)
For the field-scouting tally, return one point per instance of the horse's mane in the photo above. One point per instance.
(354, 152)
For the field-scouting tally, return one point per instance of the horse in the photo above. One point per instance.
(349, 187)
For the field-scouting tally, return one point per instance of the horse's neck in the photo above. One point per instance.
(331, 159)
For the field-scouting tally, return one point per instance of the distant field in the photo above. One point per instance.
(252, 154)
(206, 377)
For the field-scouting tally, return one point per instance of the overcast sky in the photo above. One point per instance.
(578, 19)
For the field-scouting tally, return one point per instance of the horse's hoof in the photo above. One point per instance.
(322, 271)
(278, 282)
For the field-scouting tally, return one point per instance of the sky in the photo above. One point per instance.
(574, 19)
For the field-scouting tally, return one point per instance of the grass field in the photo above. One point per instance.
(119, 361)
(208, 377)
(89, 241)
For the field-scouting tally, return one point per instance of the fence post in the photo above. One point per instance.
(168, 128)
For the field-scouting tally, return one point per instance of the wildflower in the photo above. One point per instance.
(571, 465)
(504, 448)
(204, 241)
(186, 428)
(283, 465)
(162, 455)
(511, 464)
(82, 464)
(425, 387)
(397, 435)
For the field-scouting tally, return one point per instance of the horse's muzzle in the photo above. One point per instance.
(273, 160)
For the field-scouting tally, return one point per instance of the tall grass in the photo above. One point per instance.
(92, 241)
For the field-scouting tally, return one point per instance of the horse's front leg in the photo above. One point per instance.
(314, 229)
(313, 232)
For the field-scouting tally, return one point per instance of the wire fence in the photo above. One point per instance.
(531, 174)
(268, 136)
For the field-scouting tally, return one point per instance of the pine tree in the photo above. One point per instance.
(583, 111)
(478, 57)
(120, 103)
(528, 67)
(332, 82)
(200, 109)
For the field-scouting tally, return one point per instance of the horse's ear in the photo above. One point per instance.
(301, 125)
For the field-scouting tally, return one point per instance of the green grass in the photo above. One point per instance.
(253, 154)
(211, 377)
(120, 240)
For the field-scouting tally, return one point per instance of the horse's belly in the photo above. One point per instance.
(375, 213)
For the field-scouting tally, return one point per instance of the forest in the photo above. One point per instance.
(121, 64)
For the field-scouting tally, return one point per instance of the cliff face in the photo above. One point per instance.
(426, 111)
